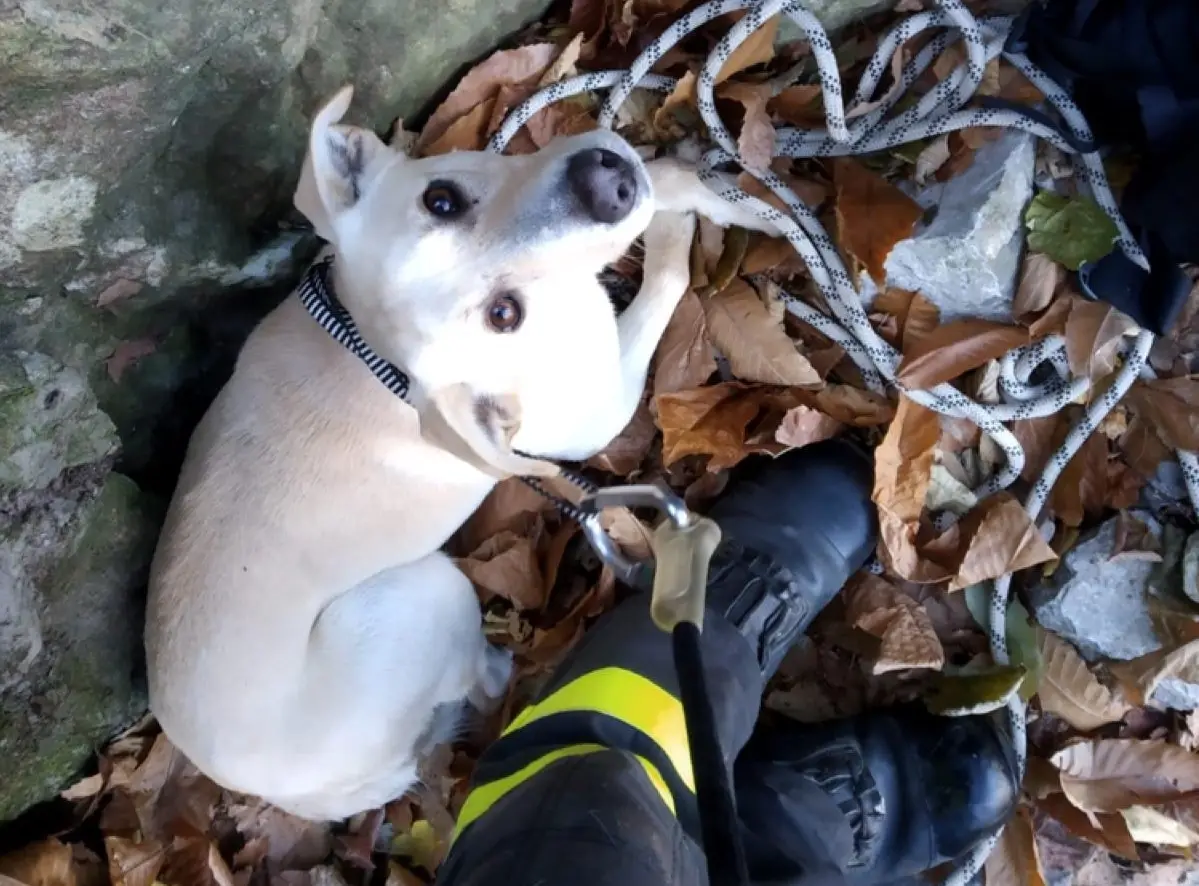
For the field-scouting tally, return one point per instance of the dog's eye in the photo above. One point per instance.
(505, 314)
(444, 200)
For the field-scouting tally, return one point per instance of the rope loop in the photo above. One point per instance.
(1035, 380)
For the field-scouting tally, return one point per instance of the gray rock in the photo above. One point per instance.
(1190, 567)
(1176, 694)
(833, 14)
(966, 260)
(49, 421)
(1098, 603)
(75, 540)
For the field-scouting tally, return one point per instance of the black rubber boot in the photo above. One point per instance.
(881, 796)
(794, 529)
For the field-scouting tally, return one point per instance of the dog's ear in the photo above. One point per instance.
(340, 163)
(478, 428)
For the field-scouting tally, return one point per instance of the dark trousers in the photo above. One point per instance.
(592, 784)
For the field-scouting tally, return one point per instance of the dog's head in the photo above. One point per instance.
(456, 266)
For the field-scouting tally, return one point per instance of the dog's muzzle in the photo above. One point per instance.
(604, 182)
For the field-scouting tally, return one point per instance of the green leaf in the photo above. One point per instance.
(978, 601)
(962, 695)
(1023, 649)
(1070, 230)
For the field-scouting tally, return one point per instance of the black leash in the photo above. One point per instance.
(719, 823)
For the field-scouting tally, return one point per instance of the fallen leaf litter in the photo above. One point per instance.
(734, 377)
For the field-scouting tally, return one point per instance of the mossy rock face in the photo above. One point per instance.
(148, 154)
(75, 555)
(154, 147)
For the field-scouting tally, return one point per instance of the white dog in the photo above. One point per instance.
(303, 626)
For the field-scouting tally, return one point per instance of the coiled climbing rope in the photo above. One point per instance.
(942, 110)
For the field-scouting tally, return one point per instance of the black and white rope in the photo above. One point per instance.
(942, 110)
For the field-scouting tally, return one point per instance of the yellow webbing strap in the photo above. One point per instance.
(621, 694)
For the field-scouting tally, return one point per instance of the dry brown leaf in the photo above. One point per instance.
(482, 83)
(506, 565)
(1141, 676)
(715, 421)
(810, 192)
(1108, 829)
(632, 536)
(1171, 407)
(1015, 861)
(1108, 775)
(126, 354)
(560, 120)
(1006, 540)
(1150, 825)
(850, 405)
(117, 291)
(168, 795)
(1015, 87)
(511, 505)
(288, 842)
(1094, 333)
(682, 96)
(1143, 449)
(1081, 490)
(916, 317)
(902, 472)
(908, 639)
(506, 97)
(798, 105)
(196, 861)
(624, 455)
(903, 461)
(684, 358)
(898, 59)
(803, 425)
(1069, 690)
(467, 133)
(767, 253)
(133, 863)
(756, 49)
(931, 158)
(757, 348)
(1186, 812)
(1040, 279)
(872, 215)
(956, 348)
(47, 862)
(1039, 437)
(564, 65)
(755, 144)
(733, 245)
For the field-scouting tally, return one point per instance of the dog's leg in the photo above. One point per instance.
(677, 188)
(667, 273)
(389, 666)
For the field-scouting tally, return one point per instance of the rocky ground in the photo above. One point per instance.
(145, 229)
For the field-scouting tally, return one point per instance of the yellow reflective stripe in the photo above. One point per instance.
(484, 796)
(630, 698)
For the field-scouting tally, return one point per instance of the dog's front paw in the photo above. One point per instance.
(494, 676)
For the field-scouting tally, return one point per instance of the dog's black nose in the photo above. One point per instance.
(604, 182)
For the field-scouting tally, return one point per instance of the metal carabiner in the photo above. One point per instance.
(633, 496)
(683, 544)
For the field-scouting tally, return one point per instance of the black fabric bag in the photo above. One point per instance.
(1133, 68)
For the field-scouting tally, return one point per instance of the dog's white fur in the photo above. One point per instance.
(306, 638)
